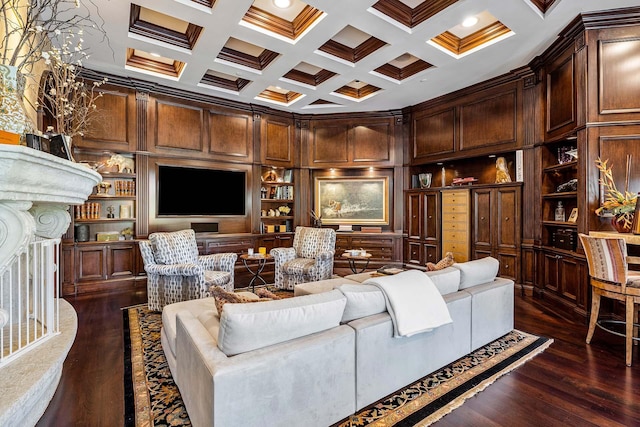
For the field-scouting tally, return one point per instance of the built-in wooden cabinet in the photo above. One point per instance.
(456, 227)
(422, 244)
(496, 226)
(100, 267)
(385, 248)
(277, 134)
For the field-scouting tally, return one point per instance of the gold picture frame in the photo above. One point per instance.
(352, 200)
(574, 215)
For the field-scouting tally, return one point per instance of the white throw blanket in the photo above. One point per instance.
(413, 302)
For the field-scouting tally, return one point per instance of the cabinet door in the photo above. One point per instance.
(508, 266)
(431, 213)
(120, 261)
(91, 263)
(508, 218)
(482, 216)
(276, 141)
(431, 253)
(551, 280)
(412, 252)
(414, 215)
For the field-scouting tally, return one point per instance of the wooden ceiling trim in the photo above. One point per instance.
(208, 3)
(278, 96)
(172, 70)
(398, 73)
(543, 5)
(275, 24)
(367, 47)
(322, 102)
(409, 17)
(185, 40)
(339, 50)
(458, 46)
(241, 58)
(309, 79)
(223, 83)
(357, 93)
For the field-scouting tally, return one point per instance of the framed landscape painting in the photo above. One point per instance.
(352, 200)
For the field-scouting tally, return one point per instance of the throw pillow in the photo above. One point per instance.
(445, 262)
(223, 297)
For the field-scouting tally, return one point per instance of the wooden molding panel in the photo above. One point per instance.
(433, 134)
(178, 126)
(543, 5)
(372, 143)
(276, 141)
(489, 121)
(115, 126)
(275, 24)
(329, 144)
(230, 135)
(354, 55)
(561, 96)
(411, 17)
(618, 88)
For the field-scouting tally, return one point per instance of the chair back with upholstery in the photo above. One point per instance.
(309, 259)
(175, 271)
(610, 278)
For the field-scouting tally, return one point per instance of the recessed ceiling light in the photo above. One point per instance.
(470, 21)
(282, 4)
(157, 55)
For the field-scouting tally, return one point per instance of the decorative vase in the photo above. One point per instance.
(620, 225)
(317, 223)
(12, 115)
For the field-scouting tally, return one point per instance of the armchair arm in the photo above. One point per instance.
(282, 255)
(218, 262)
(174, 269)
(325, 256)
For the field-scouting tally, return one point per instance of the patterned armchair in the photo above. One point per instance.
(310, 259)
(175, 271)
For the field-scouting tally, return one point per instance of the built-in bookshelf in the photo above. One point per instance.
(276, 200)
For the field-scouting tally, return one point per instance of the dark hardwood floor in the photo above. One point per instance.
(570, 384)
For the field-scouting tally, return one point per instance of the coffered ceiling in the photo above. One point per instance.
(326, 56)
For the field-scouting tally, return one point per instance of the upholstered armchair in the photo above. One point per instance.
(175, 271)
(310, 259)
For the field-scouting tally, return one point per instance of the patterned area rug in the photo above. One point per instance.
(153, 399)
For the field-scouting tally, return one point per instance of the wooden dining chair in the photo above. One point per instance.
(610, 278)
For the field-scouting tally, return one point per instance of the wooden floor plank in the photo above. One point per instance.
(571, 383)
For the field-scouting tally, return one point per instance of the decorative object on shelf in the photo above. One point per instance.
(564, 156)
(108, 236)
(462, 181)
(89, 210)
(574, 216)
(635, 226)
(317, 219)
(571, 185)
(502, 171)
(270, 176)
(263, 212)
(263, 193)
(573, 154)
(559, 212)
(284, 209)
(425, 180)
(361, 200)
(103, 187)
(82, 233)
(271, 212)
(124, 164)
(125, 211)
(621, 205)
(127, 233)
(110, 213)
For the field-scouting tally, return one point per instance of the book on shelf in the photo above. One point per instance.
(370, 229)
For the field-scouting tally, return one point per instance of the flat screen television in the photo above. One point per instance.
(184, 191)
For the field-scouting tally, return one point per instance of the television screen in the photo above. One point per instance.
(196, 191)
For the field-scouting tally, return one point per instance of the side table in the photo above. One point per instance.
(259, 261)
(355, 258)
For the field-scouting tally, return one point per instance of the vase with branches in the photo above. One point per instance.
(68, 98)
(28, 29)
(620, 204)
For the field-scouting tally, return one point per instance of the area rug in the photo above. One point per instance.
(153, 399)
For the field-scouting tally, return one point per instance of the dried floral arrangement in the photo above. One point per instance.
(620, 204)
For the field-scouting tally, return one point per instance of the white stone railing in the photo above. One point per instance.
(29, 309)
(36, 190)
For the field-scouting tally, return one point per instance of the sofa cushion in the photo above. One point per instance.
(320, 286)
(223, 297)
(446, 280)
(478, 271)
(362, 300)
(178, 247)
(247, 327)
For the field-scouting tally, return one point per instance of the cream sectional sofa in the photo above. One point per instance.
(315, 359)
